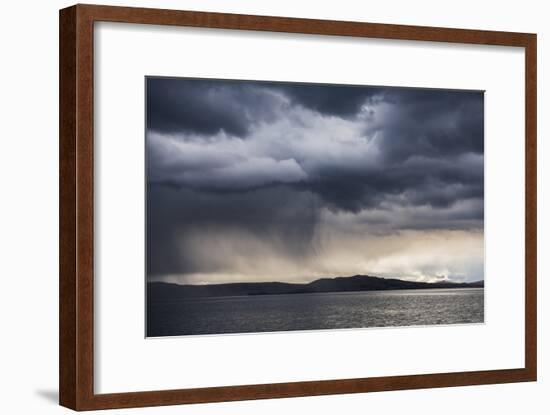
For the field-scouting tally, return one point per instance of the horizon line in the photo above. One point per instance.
(320, 278)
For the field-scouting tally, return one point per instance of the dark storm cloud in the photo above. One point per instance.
(210, 106)
(433, 123)
(205, 107)
(262, 161)
(284, 217)
(338, 100)
(414, 181)
(426, 140)
(403, 123)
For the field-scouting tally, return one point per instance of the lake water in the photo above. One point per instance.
(266, 313)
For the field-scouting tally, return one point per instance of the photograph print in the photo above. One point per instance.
(278, 206)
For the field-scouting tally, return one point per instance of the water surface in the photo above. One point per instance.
(314, 311)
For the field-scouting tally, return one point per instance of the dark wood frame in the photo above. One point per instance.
(76, 336)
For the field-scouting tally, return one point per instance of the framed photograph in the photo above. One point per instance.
(258, 207)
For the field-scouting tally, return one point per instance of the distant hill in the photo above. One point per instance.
(160, 291)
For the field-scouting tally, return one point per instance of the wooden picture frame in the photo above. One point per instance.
(76, 278)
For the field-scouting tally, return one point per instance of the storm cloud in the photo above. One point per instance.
(289, 172)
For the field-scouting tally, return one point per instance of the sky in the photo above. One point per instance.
(266, 181)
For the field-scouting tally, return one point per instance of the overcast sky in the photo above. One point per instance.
(256, 181)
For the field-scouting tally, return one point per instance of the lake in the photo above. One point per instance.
(315, 311)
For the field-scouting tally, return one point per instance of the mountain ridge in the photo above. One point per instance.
(170, 291)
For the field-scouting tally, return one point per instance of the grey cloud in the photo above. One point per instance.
(283, 217)
(423, 140)
(433, 123)
(337, 100)
(262, 162)
(206, 106)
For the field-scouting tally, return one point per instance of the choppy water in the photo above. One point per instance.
(265, 313)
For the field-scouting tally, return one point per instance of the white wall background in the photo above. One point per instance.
(29, 209)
